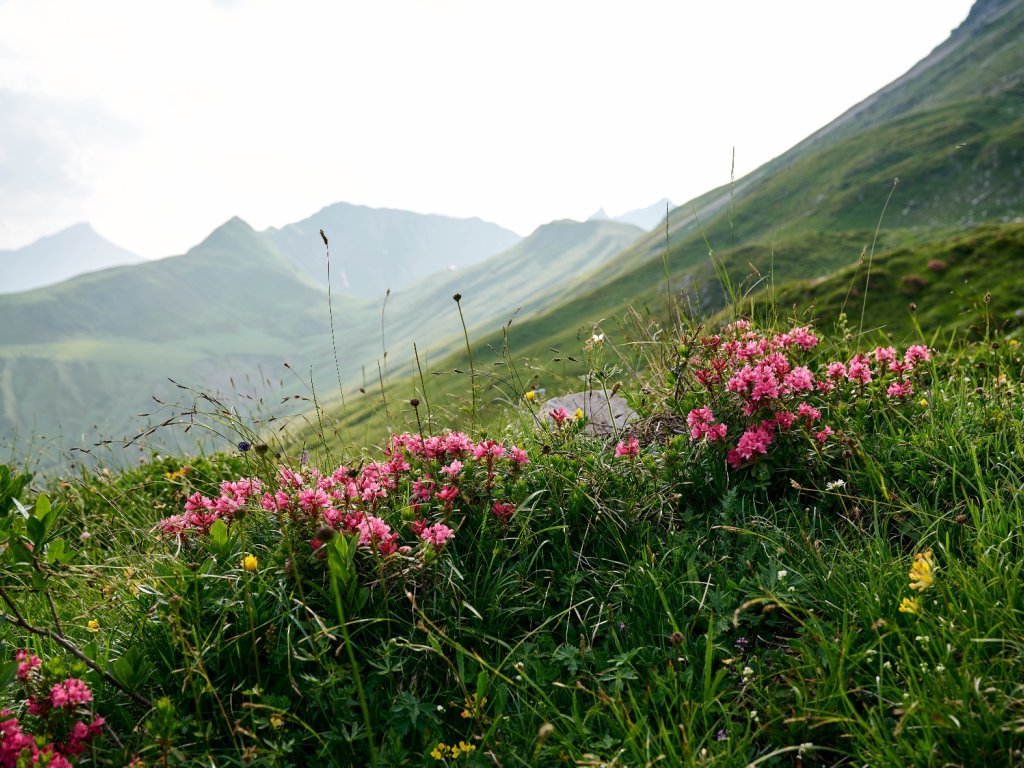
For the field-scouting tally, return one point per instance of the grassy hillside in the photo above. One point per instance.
(537, 597)
(950, 130)
(969, 285)
(959, 287)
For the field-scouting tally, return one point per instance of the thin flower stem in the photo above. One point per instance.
(15, 618)
(469, 352)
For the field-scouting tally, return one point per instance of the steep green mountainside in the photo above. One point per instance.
(529, 278)
(951, 131)
(373, 249)
(970, 285)
(49, 260)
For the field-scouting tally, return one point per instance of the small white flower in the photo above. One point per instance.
(835, 484)
(940, 667)
(782, 574)
(747, 672)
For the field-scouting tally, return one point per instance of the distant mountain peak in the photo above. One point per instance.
(51, 259)
(645, 218)
(598, 215)
(386, 248)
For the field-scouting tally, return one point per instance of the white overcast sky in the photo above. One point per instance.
(157, 121)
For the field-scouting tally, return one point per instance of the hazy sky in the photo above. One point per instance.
(157, 121)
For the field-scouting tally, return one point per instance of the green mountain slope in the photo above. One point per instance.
(971, 285)
(86, 357)
(373, 249)
(951, 130)
(531, 277)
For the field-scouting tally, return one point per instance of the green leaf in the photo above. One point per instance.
(133, 668)
(219, 533)
(36, 531)
(11, 487)
(8, 671)
(42, 507)
(57, 552)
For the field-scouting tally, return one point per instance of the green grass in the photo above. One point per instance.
(632, 611)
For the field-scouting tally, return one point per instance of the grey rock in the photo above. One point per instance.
(605, 414)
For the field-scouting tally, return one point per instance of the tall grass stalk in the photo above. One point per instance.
(469, 353)
(871, 254)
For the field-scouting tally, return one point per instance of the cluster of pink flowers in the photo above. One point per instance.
(18, 747)
(27, 663)
(702, 424)
(418, 473)
(560, 416)
(67, 695)
(628, 447)
(751, 377)
(202, 512)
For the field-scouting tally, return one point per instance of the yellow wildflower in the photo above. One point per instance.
(1012, 342)
(276, 720)
(530, 395)
(922, 572)
(462, 748)
(93, 625)
(250, 563)
(910, 605)
(923, 402)
(440, 751)
(474, 706)
(578, 415)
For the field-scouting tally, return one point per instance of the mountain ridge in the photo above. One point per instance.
(67, 253)
(361, 237)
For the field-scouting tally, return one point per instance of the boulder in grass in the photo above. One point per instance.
(606, 414)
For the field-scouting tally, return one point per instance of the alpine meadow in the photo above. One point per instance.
(742, 489)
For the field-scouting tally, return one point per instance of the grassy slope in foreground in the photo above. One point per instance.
(628, 608)
(946, 280)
